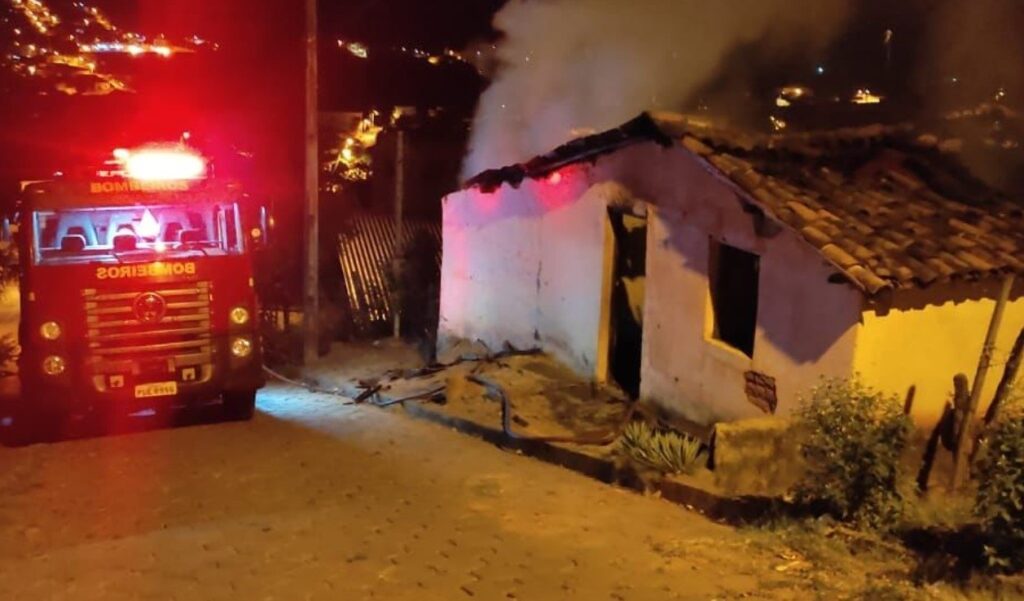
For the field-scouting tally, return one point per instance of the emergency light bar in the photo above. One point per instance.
(160, 165)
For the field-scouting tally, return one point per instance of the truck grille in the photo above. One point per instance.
(175, 324)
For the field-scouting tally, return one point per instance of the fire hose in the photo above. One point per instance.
(308, 386)
(349, 400)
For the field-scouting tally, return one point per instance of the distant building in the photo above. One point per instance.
(721, 274)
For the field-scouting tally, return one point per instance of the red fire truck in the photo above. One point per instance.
(137, 290)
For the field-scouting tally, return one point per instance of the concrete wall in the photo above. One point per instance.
(526, 266)
(532, 266)
(806, 326)
(925, 339)
(491, 255)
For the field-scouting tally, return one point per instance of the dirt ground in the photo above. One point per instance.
(318, 500)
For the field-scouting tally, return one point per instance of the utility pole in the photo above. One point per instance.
(399, 225)
(311, 288)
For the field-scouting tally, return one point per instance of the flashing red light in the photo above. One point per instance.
(555, 178)
(164, 165)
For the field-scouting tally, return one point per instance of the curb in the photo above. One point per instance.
(732, 510)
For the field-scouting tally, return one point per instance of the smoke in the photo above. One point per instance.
(978, 43)
(572, 65)
(971, 59)
(973, 50)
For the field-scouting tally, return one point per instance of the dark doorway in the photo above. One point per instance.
(629, 272)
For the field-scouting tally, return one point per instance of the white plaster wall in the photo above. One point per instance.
(510, 274)
(807, 326)
(495, 285)
(572, 273)
(489, 269)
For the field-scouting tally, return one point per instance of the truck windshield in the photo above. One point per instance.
(114, 234)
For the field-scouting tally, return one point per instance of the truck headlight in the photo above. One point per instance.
(50, 330)
(239, 316)
(241, 347)
(54, 365)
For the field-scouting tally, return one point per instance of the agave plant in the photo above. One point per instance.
(665, 451)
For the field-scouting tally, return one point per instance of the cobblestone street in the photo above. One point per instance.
(317, 500)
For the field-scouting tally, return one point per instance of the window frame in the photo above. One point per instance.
(746, 344)
(219, 221)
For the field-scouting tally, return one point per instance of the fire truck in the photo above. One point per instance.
(137, 290)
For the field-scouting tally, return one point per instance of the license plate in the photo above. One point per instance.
(148, 391)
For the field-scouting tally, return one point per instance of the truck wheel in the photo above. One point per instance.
(240, 405)
(34, 424)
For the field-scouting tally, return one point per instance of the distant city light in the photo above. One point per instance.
(361, 50)
(353, 161)
(355, 49)
(72, 45)
(864, 96)
(820, 69)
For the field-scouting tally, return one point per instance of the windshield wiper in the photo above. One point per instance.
(199, 248)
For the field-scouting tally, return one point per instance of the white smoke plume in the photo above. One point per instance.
(568, 65)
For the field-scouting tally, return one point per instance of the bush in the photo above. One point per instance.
(1000, 501)
(664, 451)
(855, 436)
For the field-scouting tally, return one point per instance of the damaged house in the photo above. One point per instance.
(720, 275)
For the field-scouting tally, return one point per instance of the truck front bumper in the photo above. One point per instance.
(131, 383)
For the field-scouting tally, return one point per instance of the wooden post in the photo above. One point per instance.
(1002, 391)
(932, 448)
(397, 258)
(908, 403)
(961, 402)
(1009, 377)
(311, 287)
(963, 446)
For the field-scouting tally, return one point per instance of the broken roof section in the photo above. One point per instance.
(891, 209)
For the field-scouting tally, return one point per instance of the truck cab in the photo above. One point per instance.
(137, 290)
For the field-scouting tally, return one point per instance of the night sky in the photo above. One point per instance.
(439, 23)
(251, 90)
(451, 23)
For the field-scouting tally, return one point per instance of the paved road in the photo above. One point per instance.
(316, 500)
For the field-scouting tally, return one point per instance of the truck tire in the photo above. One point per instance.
(239, 405)
(34, 425)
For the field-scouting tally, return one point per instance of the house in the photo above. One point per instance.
(722, 274)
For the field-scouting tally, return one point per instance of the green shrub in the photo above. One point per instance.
(854, 438)
(1000, 501)
(664, 451)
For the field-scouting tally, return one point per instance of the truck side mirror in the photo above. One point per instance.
(266, 222)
